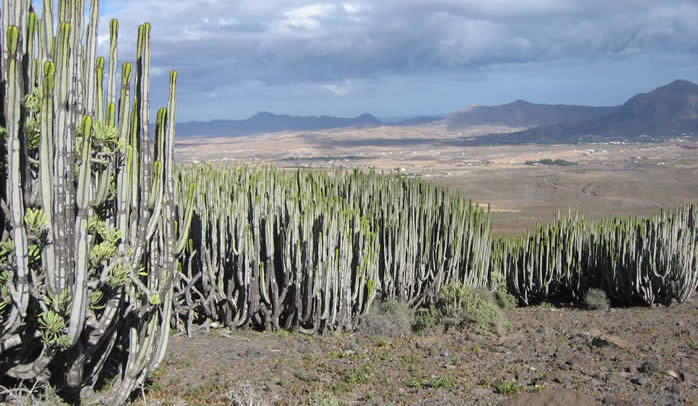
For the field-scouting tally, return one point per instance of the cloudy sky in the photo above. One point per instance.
(405, 57)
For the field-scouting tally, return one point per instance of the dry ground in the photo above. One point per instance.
(634, 356)
(609, 179)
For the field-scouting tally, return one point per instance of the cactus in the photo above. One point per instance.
(88, 251)
(635, 261)
(312, 251)
(106, 243)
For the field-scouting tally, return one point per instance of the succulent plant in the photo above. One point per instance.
(88, 249)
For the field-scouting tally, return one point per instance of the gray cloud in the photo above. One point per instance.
(217, 43)
(297, 39)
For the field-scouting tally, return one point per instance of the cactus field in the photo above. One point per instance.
(109, 247)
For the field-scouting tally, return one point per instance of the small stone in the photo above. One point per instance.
(648, 367)
(599, 342)
(606, 340)
(686, 377)
(556, 376)
(671, 373)
(640, 380)
(594, 332)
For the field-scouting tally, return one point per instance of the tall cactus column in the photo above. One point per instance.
(89, 245)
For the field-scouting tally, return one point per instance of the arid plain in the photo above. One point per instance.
(608, 178)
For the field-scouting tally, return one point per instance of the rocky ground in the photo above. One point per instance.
(632, 356)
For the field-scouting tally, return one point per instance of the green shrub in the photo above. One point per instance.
(359, 376)
(463, 307)
(505, 300)
(596, 299)
(548, 161)
(504, 387)
(437, 382)
(427, 319)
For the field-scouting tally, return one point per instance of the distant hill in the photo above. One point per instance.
(523, 114)
(666, 112)
(268, 122)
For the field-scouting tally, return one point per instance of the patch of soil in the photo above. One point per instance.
(633, 356)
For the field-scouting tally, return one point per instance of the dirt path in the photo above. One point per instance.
(635, 356)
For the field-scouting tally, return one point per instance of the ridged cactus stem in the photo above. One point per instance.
(46, 151)
(19, 288)
(61, 170)
(47, 28)
(124, 178)
(113, 59)
(79, 290)
(93, 86)
(99, 92)
(99, 286)
(32, 27)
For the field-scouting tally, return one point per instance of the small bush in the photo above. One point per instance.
(462, 307)
(359, 376)
(507, 387)
(388, 319)
(40, 395)
(548, 161)
(427, 319)
(596, 299)
(437, 382)
(322, 398)
(505, 300)
(247, 395)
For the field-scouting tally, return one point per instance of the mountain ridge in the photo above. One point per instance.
(668, 111)
(263, 122)
(522, 113)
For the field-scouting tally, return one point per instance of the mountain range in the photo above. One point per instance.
(269, 122)
(666, 112)
(523, 114)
